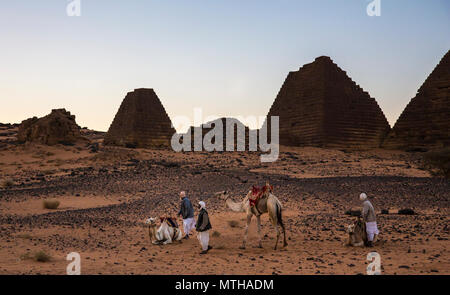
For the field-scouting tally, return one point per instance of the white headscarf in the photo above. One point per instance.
(363, 197)
(202, 204)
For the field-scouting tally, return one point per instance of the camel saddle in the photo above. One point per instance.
(172, 221)
(257, 193)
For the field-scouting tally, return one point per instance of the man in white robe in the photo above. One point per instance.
(203, 226)
(369, 217)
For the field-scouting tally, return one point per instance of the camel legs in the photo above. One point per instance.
(249, 219)
(168, 241)
(277, 223)
(258, 219)
(284, 236)
(278, 236)
(168, 237)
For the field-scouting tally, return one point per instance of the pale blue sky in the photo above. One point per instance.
(228, 57)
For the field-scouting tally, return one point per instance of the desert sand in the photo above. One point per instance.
(106, 195)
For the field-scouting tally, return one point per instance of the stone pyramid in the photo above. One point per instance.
(140, 122)
(237, 140)
(319, 105)
(425, 122)
(58, 127)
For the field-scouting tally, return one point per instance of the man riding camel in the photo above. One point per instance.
(369, 217)
(187, 213)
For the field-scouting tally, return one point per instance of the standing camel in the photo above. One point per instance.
(258, 202)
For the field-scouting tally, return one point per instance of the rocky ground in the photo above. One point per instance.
(106, 194)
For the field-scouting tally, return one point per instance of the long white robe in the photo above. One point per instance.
(372, 230)
(203, 238)
(188, 225)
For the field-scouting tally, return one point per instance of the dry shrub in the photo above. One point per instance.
(41, 256)
(438, 162)
(406, 211)
(233, 223)
(216, 234)
(24, 236)
(7, 183)
(25, 256)
(50, 204)
(59, 162)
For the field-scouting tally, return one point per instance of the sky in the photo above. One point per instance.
(227, 57)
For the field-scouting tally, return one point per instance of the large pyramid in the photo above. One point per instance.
(425, 122)
(140, 122)
(319, 105)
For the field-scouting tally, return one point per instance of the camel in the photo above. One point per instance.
(357, 235)
(165, 234)
(258, 202)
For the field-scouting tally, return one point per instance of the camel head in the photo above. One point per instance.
(350, 229)
(151, 222)
(223, 195)
(267, 188)
(237, 207)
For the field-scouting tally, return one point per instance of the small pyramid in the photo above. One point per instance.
(58, 127)
(319, 105)
(425, 122)
(140, 122)
(236, 125)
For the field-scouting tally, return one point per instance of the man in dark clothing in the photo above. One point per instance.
(203, 226)
(187, 213)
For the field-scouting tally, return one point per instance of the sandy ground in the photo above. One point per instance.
(35, 206)
(106, 196)
(133, 254)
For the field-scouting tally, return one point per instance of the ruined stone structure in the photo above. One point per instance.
(57, 127)
(234, 125)
(425, 122)
(140, 122)
(319, 105)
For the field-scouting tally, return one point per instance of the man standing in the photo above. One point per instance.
(368, 214)
(203, 226)
(187, 213)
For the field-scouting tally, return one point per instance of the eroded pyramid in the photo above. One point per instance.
(239, 131)
(140, 122)
(319, 105)
(58, 127)
(425, 122)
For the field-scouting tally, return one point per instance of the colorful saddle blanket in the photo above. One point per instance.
(172, 221)
(257, 193)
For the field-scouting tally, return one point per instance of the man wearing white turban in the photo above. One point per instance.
(203, 226)
(368, 214)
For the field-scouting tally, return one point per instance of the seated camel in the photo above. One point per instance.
(357, 235)
(167, 232)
